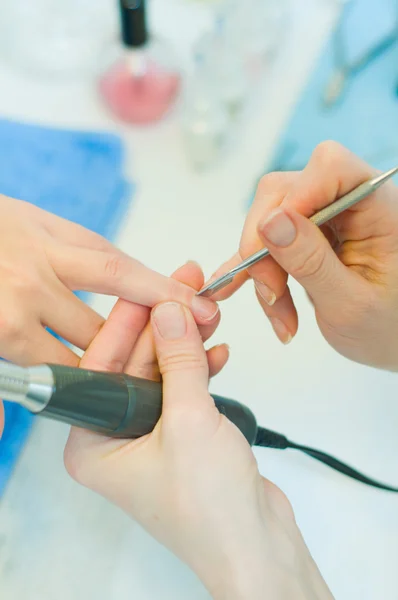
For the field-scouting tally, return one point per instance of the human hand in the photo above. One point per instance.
(43, 258)
(349, 268)
(193, 483)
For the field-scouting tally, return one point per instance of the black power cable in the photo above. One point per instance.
(270, 439)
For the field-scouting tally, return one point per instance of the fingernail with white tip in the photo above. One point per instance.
(281, 330)
(265, 292)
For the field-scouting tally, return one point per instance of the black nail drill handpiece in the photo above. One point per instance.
(113, 404)
(121, 406)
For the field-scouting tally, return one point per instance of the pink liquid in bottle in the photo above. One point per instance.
(139, 98)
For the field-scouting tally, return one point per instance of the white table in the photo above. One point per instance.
(59, 541)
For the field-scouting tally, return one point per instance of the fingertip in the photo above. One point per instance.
(190, 274)
(170, 321)
(282, 316)
(205, 310)
(217, 358)
(181, 355)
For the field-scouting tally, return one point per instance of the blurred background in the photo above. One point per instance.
(151, 123)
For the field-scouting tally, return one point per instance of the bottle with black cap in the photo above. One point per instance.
(142, 85)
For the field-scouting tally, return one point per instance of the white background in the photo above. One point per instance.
(60, 542)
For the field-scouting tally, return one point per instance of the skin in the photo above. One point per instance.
(43, 259)
(193, 483)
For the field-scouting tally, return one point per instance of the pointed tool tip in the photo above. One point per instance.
(215, 286)
(380, 179)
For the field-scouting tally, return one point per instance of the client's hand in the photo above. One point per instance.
(43, 258)
(349, 269)
(193, 483)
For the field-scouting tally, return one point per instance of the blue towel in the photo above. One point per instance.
(76, 175)
(366, 119)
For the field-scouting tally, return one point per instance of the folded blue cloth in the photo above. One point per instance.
(76, 175)
(365, 119)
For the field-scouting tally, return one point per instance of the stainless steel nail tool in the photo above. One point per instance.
(324, 215)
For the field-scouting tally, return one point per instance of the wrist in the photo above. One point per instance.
(275, 565)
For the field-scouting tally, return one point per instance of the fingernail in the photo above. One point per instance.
(226, 346)
(265, 292)
(204, 308)
(279, 229)
(170, 320)
(281, 330)
(193, 262)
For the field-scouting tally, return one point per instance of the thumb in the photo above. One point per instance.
(302, 250)
(181, 356)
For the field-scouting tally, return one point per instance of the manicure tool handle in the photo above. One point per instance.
(122, 406)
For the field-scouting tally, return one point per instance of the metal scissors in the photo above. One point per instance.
(331, 211)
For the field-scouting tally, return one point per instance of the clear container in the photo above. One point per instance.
(224, 63)
(205, 119)
(256, 28)
(53, 38)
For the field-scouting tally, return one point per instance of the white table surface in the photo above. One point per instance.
(61, 542)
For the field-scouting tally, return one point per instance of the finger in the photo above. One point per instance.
(270, 278)
(303, 251)
(111, 348)
(190, 274)
(72, 233)
(143, 361)
(71, 318)
(282, 316)
(182, 358)
(109, 351)
(119, 275)
(39, 346)
(331, 172)
(217, 358)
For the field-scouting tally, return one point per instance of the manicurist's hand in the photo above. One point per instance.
(349, 268)
(193, 483)
(43, 259)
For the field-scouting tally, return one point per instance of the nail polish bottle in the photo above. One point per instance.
(142, 85)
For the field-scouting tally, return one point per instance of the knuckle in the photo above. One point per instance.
(12, 327)
(73, 465)
(311, 265)
(114, 266)
(248, 245)
(270, 181)
(30, 285)
(187, 417)
(76, 465)
(177, 291)
(181, 361)
(329, 154)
